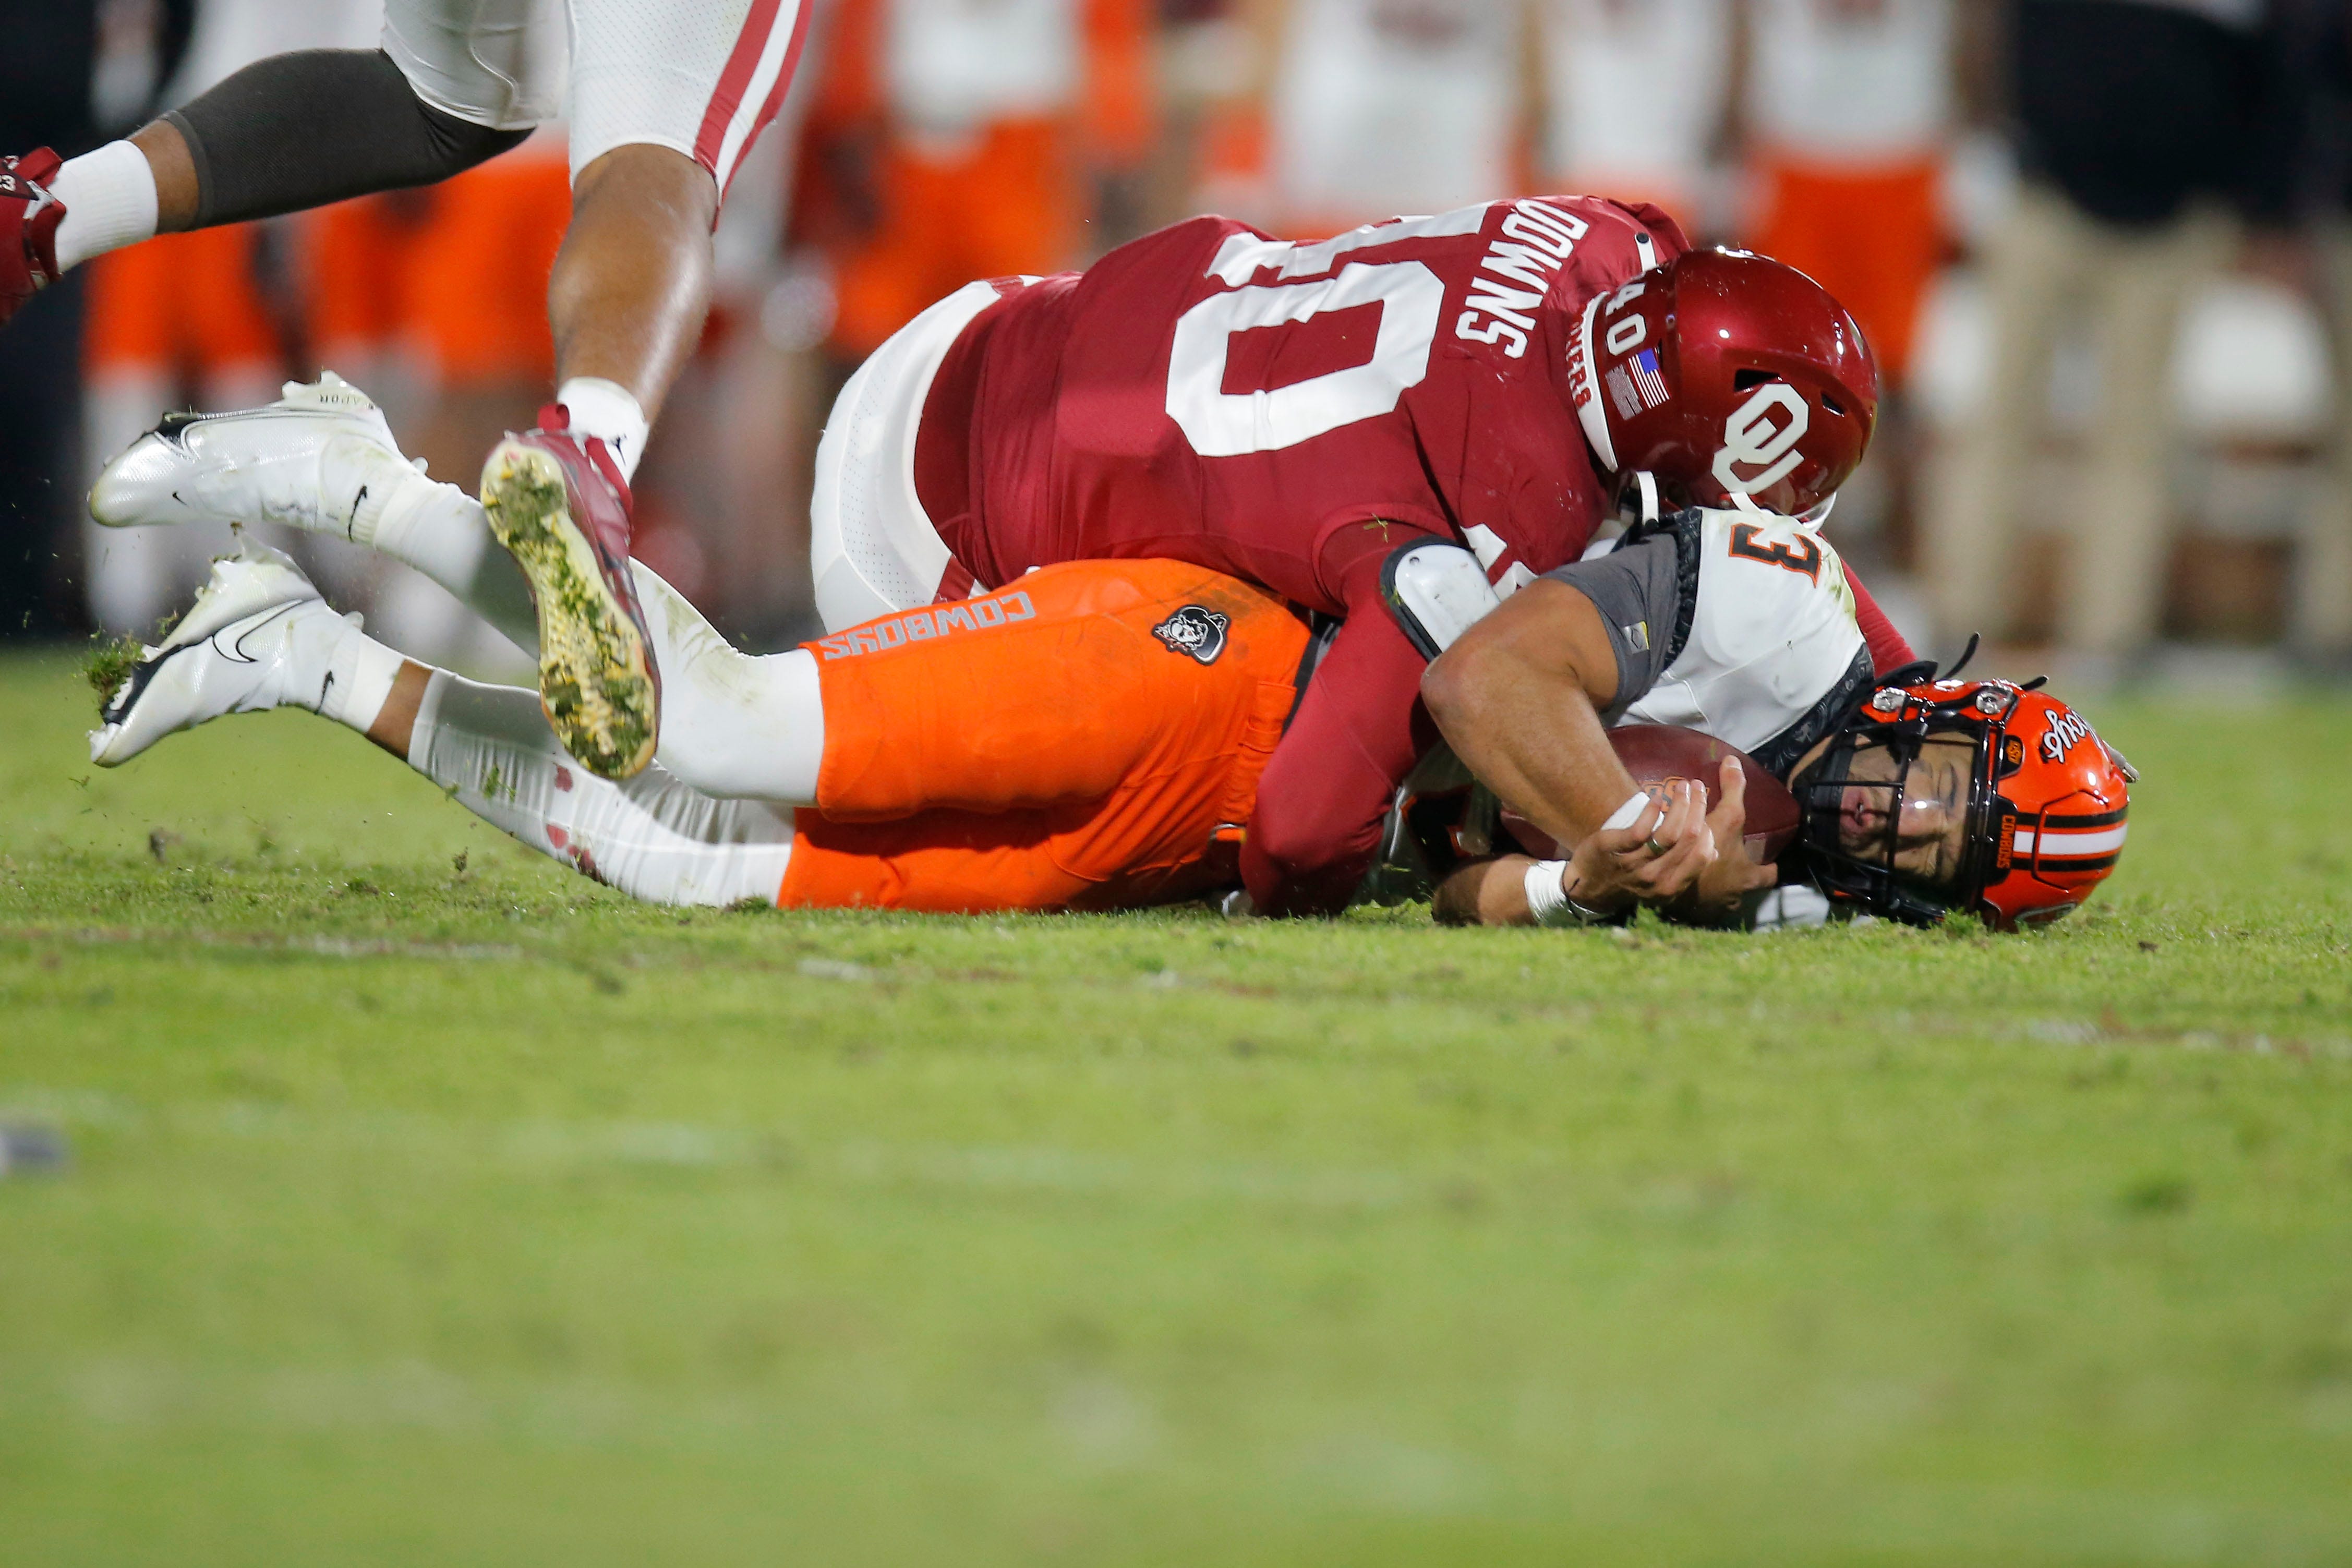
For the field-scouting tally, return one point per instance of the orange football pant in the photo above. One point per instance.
(1089, 738)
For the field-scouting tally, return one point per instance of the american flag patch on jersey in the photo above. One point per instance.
(1644, 367)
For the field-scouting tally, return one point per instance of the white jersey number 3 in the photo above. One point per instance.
(1221, 424)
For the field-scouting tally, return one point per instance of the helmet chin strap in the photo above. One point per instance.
(1648, 482)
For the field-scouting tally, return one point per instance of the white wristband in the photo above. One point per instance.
(1628, 814)
(1547, 900)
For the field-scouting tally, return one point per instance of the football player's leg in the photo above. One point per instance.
(456, 82)
(322, 459)
(733, 724)
(653, 837)
(260, 637)
(666, 96)
(257, 638)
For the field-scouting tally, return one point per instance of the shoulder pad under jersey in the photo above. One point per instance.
(1437, 592)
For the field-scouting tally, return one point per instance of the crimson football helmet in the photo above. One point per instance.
(1978, 795)
(1724, 374)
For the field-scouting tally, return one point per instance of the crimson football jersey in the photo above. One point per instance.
(1291, 413)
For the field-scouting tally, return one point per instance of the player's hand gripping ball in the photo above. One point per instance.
(1654, 753)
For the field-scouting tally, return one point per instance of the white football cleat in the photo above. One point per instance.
(313, 460)
(257, 636)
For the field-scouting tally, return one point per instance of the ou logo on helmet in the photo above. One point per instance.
(1752, 435)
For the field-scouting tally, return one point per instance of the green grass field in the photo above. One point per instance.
(429, 1205)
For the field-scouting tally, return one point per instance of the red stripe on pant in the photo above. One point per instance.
(775, 99)
(727, 99)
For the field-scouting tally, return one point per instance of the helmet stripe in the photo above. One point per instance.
(2049, 866)
(2103, 841)
(2103, 819)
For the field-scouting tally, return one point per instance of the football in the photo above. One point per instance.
(1654, 753)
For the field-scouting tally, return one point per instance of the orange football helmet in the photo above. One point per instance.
(1979, 795)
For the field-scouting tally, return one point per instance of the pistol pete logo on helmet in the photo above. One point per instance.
(1195, 631)
(2066, 731)
(1752, 435)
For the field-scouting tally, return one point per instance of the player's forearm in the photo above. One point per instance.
(1484, 893)
(1530, 734)
(1356, 733)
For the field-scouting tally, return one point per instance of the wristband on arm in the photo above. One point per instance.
(1550, 902)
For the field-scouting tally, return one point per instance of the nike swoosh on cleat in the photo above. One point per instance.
(352, 523)
(239, 653)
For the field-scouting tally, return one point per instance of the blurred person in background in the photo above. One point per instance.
(199, 319)
(1207, 63)
(1611, 130)
(71, 75)
(1352, 110)
(1846, 106)
(953, 139)
(1386, 106)
(1844, 109)
(2301, 205)
(2133, 120)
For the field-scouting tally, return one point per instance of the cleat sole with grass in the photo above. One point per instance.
(595, 672)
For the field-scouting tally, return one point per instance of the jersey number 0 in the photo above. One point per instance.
(1221, 424)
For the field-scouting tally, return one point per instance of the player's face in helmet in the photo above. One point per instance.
(1920, 830)
(1948, 795)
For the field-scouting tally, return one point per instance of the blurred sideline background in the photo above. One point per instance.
(2102, 248)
